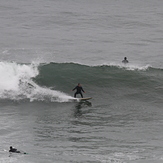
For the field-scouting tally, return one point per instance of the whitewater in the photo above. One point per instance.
(17, 84)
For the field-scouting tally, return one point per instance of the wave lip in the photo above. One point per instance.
(12, 73)
(127, 66)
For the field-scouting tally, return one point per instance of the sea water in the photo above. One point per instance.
(47, 47)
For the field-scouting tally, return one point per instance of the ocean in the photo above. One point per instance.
(48, 47)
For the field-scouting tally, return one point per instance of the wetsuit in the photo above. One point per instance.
(79, 90)
(13, 150)
(125, 61)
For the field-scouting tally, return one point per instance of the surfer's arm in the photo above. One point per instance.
(73, 89)
(82, 90)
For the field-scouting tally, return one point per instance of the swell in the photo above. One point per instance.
(65, 75)
(54, 81)
(105, 81)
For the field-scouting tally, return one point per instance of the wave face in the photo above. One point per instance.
(53, 81)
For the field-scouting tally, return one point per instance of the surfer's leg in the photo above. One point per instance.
(81, 95)
(75, 94)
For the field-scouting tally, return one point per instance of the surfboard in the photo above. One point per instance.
(85, 99)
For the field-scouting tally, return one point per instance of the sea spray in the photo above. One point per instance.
(17, 84)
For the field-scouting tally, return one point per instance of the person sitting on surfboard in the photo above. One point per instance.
(125, 60)
(79, 90)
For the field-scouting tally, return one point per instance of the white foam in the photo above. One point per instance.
(16, 83)
(134, 67)
(11, 73)
(128, 66)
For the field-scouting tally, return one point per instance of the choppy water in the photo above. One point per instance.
(47, 47)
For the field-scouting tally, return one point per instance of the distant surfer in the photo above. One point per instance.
(125, 60)
(79, 90)
(14, 150)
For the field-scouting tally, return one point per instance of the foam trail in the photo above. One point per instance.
(46, 94)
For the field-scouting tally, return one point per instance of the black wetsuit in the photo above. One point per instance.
(79, 90)
(125, 61)
(14, 150)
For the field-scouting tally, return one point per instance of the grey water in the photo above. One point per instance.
(88, 32)
(116, 127)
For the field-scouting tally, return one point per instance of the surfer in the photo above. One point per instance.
(79, 90)
(14, 150)
(125, 60)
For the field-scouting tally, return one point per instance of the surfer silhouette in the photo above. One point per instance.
(79, 90)
(14, 150)
(125, 60)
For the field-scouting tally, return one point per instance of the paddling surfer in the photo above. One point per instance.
(79, 90)
(125, 60)
(14, 150)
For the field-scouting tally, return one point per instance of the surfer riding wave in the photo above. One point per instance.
(79, 90)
